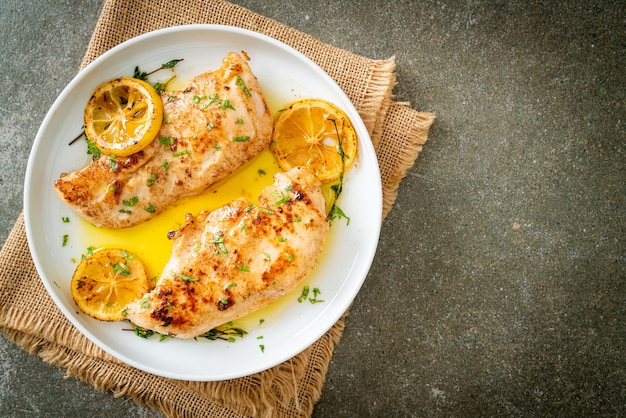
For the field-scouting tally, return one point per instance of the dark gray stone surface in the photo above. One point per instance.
(499, 285)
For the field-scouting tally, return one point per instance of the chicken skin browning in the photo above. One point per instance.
(237, 259)
(212, 127)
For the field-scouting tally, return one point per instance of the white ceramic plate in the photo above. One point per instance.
(285, 75)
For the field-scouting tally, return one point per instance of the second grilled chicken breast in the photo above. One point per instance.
(237, 259)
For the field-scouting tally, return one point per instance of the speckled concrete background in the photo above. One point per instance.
(499, 285)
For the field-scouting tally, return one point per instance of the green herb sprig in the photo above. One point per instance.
(335, 210)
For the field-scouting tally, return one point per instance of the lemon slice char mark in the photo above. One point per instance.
(123, 116)
(309, 133)
(107, 280)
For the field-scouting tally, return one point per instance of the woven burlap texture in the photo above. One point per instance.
(29, 317)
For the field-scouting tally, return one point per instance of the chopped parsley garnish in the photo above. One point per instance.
(144, 303)
(128, 257)
(179, 153)
(226, 105)
(242, 85)
(187, 278)
(112, 162)
(121, 268)
(284, 199)
(131, 202)
(166, 140)
(212, 99)
(92, 149)
(304, 294)
(337, 213)
(220, 248)
(316, 293)
(196, 99)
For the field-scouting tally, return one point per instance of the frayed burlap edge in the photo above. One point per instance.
(280, 398)
(383, 80)
(63, 335)
(281, 395)
(398, 148)
(100, 374)
(376, 98)
(17, 265)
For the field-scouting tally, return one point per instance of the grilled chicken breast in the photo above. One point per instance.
(212, 127)
(237, 259)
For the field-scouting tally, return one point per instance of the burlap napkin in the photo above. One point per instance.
(29, 317)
